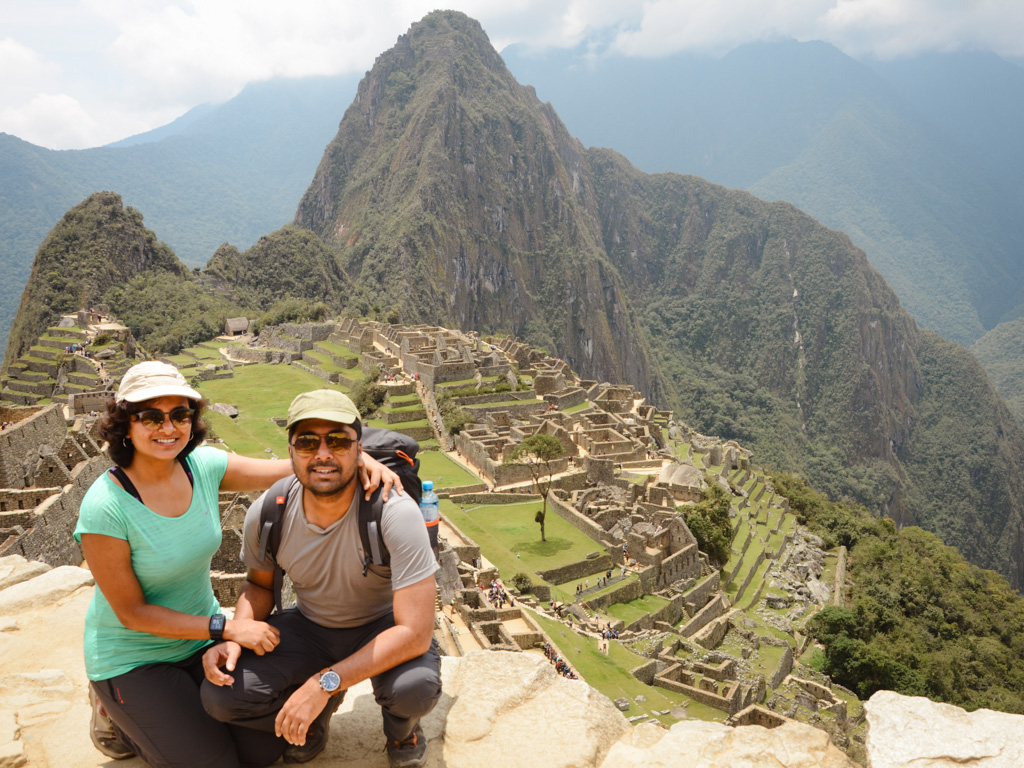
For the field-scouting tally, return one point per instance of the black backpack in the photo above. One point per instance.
(392, 449)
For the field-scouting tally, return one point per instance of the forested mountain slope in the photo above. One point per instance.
(914, 171)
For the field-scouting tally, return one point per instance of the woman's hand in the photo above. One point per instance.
(372, 473)
(258, 636)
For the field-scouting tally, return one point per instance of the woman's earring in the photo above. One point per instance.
(126, 442)
(191, 434)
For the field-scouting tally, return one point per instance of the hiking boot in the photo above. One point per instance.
(104, 737)
(317, 735)
(410, 753)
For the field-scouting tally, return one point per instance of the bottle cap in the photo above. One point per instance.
(428, 485)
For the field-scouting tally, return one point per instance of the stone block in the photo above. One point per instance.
(44, 590)
(905, 731)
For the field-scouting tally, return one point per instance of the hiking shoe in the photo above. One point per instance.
(410, 753)
(317, 735)
(104, 738)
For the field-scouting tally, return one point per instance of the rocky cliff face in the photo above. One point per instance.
(497, 709)
(456, 197)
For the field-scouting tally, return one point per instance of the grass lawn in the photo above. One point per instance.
(402, 400)
(504, 531)
(337, 350)
(610, 674)
(636, 609)
(445, 473)
(204, 352)
(577, 408)
(259, 392)
(396, 425)
(465, 382)
(476, 406)
(413, 407)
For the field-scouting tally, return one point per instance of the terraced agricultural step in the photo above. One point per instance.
(84, 379)
(46, 353)
(73, 332)
(40, 388)
(26, 374)
(19, 398)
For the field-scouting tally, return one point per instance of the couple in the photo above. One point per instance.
(268, 683)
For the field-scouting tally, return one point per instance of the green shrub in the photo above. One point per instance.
(523, 583)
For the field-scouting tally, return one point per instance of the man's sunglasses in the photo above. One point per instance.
(338, 442)
(153, 418)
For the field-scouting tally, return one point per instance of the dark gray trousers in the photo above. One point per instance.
(263, 683)
(156, 710)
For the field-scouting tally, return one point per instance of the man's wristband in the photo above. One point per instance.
(217, 622)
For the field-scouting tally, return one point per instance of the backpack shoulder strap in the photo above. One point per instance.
(371, 531)
(271, 515)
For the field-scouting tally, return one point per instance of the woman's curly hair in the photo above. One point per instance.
(116, 422)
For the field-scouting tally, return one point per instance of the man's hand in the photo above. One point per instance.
(299, 712)
(221, 655)
(257, 635)
(372, 473)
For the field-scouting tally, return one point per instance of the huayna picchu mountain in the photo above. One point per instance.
(459, 198)
(451, 195)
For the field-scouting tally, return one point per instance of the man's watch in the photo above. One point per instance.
(217, 622)
(330, 682)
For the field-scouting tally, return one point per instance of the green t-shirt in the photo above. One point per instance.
(171, 559)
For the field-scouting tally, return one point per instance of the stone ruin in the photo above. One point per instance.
(46, 466)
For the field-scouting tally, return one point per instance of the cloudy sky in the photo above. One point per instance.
(81, 73)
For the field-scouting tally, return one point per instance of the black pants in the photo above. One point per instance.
(263, 683)
(157, 711)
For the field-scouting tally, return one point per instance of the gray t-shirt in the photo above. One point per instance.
(325, 564)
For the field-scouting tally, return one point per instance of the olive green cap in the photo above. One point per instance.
(326, 404)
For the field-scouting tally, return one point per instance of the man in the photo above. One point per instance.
(346, 626)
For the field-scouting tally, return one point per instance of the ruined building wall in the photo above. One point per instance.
(21, 441)
(50, 540)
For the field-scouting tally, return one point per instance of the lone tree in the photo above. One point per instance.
(537, 452)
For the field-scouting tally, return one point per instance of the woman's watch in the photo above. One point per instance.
(217, 622)
(330, 682)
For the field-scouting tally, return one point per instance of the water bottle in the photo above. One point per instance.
(430, 507)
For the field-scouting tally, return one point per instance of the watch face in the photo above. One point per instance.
(330, 681)
(217, 622)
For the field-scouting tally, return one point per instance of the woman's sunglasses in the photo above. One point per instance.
(338, 442)
(153, 418)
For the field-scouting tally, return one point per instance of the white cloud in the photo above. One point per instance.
(26, 70)
(883, 28)
(50, 120)
(124, 66)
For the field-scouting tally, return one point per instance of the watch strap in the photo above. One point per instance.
(217, 622)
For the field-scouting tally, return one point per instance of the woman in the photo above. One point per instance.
(149, 528)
